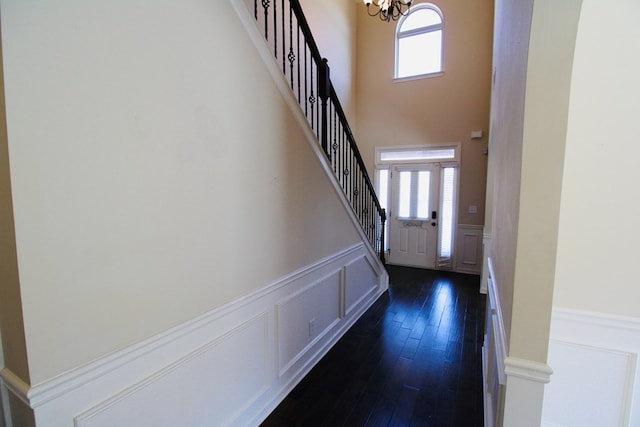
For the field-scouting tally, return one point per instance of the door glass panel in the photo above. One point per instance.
(423, 194)
(404, 195)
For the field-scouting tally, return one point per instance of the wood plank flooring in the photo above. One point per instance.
(413, 359)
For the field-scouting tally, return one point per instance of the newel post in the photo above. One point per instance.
(324, 87)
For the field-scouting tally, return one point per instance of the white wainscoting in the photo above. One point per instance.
(468, 249)
(305, 317)
(513, 387)
(596, 380)
(494, 354)
(231, 366)
(4, 403)
(360, 274)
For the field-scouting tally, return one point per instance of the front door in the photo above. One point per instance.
(413, 217)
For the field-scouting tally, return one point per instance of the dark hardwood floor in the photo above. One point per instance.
(413, 359)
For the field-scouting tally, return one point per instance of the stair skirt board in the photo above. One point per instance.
(231, 366)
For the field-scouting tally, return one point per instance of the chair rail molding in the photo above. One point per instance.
(527, 370)
(239, 344)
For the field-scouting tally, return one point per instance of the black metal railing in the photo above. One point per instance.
(288, 34)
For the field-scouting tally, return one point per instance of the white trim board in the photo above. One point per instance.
(513, 387)
(5, 415)
(596, 380)
(236, 345)
(527, 370)
(497, 323)
(41, 393)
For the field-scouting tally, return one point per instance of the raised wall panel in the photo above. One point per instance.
(596, 381)
(468, 249)
(360, 282)
(305, 316)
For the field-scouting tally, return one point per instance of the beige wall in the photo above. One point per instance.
(598, 237)
(156, 173)
(549, 65)
(532, 67)
(333, 24)
(512, 26)
(442, 109)
(11, 321)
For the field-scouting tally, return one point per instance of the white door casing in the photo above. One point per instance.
(413, 216)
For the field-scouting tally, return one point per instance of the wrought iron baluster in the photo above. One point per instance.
(284, 69)
(312, 98)
(335, 138)
(298, 47)
(275, 29)
(291, 57)
(265, 6)
(306, 113)
(354, 189)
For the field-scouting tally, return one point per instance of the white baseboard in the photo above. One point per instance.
(231, 366)
(596, 380)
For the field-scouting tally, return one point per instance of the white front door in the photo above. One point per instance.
(413, 217)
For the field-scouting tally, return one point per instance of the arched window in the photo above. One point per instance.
(419, 39)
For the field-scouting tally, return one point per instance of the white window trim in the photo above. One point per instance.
(456, 146)
(416, 31)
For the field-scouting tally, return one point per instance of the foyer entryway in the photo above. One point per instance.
(413, 359)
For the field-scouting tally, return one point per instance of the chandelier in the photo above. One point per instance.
(388, 9)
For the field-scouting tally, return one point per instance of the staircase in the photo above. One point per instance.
(287, 33)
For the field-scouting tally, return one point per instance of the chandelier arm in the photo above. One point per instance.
(374, 14)
(393, 11)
